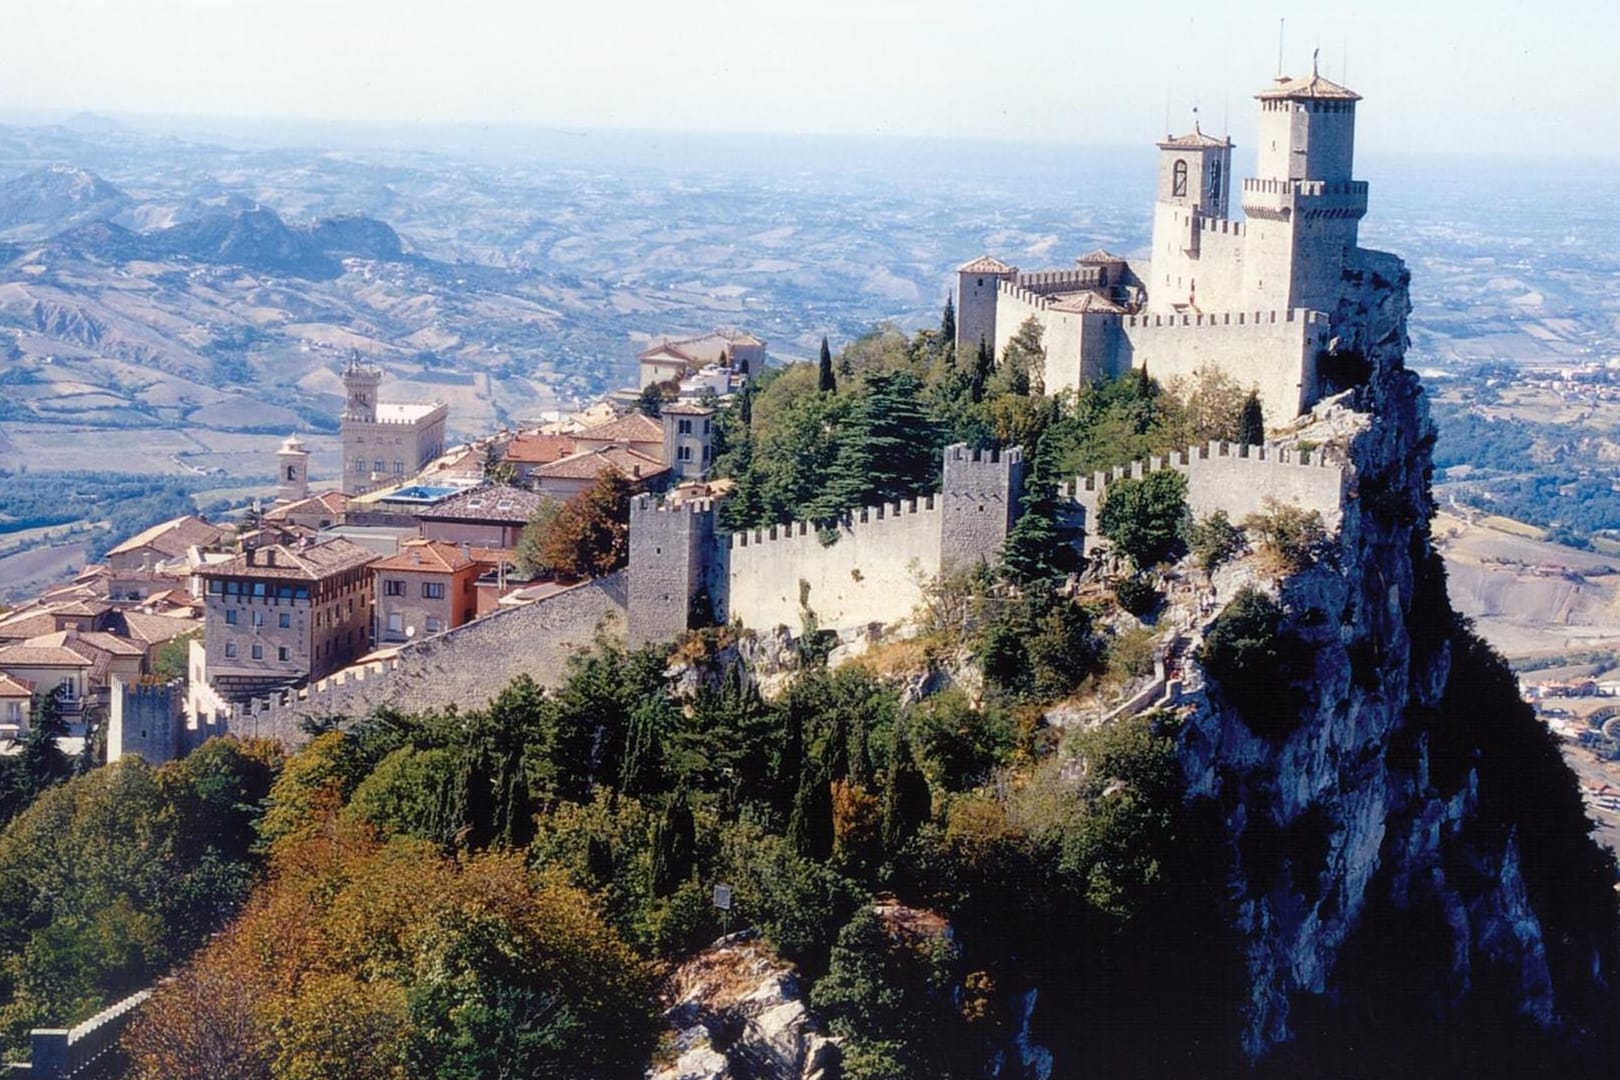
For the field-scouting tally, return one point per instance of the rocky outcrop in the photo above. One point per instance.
(1342, 820)
(737, 1013)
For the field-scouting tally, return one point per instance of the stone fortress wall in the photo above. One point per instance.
(1233, 477)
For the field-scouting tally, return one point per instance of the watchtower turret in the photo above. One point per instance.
(978, 282)
(1195, 181)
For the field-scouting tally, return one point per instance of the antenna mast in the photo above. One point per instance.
(1282, 25)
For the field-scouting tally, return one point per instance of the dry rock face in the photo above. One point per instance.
(738, 1013)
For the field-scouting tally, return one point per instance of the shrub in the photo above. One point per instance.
(1214, 540)
(1293, 535)
(1136, 594)
(1255, 663)
(1144, 519)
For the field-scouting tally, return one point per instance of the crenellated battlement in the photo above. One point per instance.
(1223, 319)
(1044, 282)
(1224, 226)
(1306, 188)
(871, 516)
(63, 1053)
(1233, 477)
(1013, 455)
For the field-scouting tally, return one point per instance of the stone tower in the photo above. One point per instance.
(671, 549)
(980, 496)
(1195, 182)
(1304, 205)
(361, 382)
(292, 471)
(978, 282)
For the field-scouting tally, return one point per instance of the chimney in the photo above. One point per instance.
(466, 550)
(251, 555)
(269, 556)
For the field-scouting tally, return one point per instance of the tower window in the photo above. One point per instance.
(1178, 180)
(292, 472)
(1215, 182)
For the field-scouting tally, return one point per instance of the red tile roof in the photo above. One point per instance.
(314, 562)
(426, 557)
(326, 502)
(172, 538)
(629, 429)
(1313, 86)
(588, 464)
(487, 502)
(536, 449)
(15, 688)
(985, 264)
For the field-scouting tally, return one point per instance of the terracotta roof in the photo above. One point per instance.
(156, 629)
(426, 556)
(172, 538)
(535, 449)
(30, 625)
(15, 688)
(1312, 86)
(1195, 140)
(686, 408)
(703, 348)
(667, 351)
(84, 640)
(630, 428)
(1087, 302)
(327, 502)
(467, 460)
(26, 655)
(487, 502)
(313, 562)
(1101, 255)
(985, 264)
(588, 464)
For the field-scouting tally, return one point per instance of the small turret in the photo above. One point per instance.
(361, 383)
(292, 470)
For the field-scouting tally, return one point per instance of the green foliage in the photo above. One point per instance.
(531, 559)
(1145, 519)
(1257, 664)
(1295, 536)
(110, 878)
(886, 448)
(826, 382)
(1252, 422)
(1136, 594)
(589, 535)
(1214, 540)
(173, 657)
(960, 746)
(1023, 362)
(1038, 647)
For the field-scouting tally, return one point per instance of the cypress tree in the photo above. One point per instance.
(947, 324)
(1034, 550)
(825, 382)
(810, 827)
(907, 801)
(1252, 422)
(984, 366)
(674, 842)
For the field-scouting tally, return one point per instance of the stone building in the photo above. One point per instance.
(314, 512)
(1249, 298)
(156, 560)
(488, 516)
(429, 587)
(673, 358)
(280, 615)
(385, 442)
(688, 439)
(292, 471)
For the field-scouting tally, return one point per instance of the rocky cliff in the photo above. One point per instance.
(1402, 854)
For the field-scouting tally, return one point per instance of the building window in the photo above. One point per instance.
(683, 453)
(433, 625)
(1215, 181)
(359, 464)
(684, 426)
(283, 653)
(258, 618)
(399, 467)
(1178, 181)
(378, 465)
(230, 616)
(393, 587)
(284, 620)
(230, 650)
(396, 622)
(258, 652)
(433, 590)
(292, 472)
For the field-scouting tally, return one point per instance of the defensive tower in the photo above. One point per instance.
(1195, 172)
(361, 382)
(978, 283)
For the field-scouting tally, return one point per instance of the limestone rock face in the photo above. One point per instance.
(1352, 777)
(737, 1013)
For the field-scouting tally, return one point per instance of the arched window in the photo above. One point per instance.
(1178, 182)
(292, 472)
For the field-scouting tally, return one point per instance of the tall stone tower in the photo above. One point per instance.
(1304, 206)
(981, 493)
(671, 548)
(978, 282)
(1195, 182)
(361, 383)
(292, 471)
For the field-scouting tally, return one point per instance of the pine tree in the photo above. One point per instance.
(1252, 422)
(886, 448)
(641, 770)
(1034, 550)
(825, 382)
(947, 324)
(810, 827)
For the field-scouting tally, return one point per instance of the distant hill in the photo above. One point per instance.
(54, 198)
(258, 240)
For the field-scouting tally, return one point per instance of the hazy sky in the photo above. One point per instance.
(1500, 75)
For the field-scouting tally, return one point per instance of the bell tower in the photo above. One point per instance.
(361, 383)
(1195, 188)
(292, 471)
